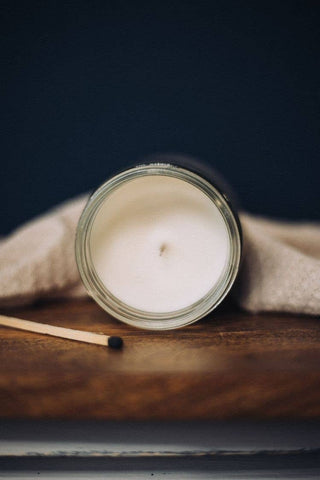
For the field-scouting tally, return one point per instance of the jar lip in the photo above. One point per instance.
(150, 320)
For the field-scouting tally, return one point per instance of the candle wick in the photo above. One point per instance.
(162, 249)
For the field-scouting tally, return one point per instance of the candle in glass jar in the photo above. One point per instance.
(158, 246)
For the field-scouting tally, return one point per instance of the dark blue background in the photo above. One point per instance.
(90, 86)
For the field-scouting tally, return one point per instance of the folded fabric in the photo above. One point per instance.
(280, 269)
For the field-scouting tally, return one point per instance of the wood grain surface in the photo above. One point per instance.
(230, 365)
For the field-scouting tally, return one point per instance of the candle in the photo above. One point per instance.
(158, 246)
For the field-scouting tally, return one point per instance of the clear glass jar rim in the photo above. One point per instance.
(139, 318)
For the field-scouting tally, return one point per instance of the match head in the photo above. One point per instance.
(115, 342)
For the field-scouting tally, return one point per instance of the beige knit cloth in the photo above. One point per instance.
(280, 271)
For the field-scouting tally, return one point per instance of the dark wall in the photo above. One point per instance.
(90, 86)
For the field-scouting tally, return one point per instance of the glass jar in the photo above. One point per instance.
(197, 176)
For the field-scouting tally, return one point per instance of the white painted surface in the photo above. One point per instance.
(164, 438)
(90, 450)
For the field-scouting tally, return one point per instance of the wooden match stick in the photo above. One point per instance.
(69, 333)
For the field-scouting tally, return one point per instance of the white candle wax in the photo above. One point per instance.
(159, 244)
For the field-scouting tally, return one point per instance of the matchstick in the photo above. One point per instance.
(69, 333)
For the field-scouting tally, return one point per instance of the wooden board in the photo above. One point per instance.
(230, 365)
